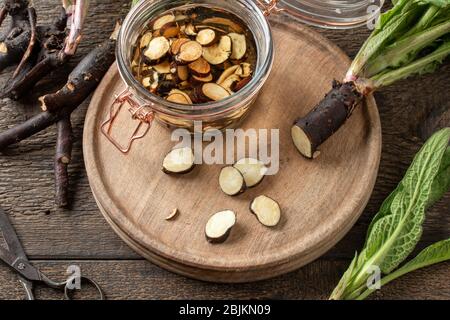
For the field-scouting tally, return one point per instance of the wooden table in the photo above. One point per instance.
(54, 238)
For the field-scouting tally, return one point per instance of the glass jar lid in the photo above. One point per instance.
(333, 14)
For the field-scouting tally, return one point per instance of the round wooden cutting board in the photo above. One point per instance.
(320, 199)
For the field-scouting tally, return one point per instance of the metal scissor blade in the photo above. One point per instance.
(15, 250)
(10, 236)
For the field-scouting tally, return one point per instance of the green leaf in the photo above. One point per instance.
(438, 3)
(395, 233)
(433, 254)
(423, 65)
(385, 33)
(441, 183)
(338, 292)
(407, 49)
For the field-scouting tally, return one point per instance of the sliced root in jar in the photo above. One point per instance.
(227, 73)
(176, 45)
(218, 53)
(244, 70)
(231, 181)
(145, 40)
(163, 67)
(239, 46)
(266, 210)
(161, 21)
(241, 84)
(197, 79)
(170, 30)
(200, 68)
(179, 161)
(178, 98)
(218, 227)
(206, 37)
(184, 94)
(190, 30)
(253, 171)
(230, 82)
(157, 48)
(183, 73)
(189, 52)
(214, 92)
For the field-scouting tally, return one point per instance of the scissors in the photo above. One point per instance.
(14, 256)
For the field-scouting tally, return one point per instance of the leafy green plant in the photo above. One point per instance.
(397, 227)
(411, 38)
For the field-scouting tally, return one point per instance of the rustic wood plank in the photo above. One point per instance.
(142, 280)
(26, 183)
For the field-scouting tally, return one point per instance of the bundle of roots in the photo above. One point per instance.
(39, 50)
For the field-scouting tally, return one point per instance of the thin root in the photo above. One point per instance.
(31, 45)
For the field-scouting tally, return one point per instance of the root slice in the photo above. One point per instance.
(179, 161)
(218, 227)
(231, 181)
(266, 210)
(252, 170)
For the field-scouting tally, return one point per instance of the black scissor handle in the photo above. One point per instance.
(66, 286)
(68, 291)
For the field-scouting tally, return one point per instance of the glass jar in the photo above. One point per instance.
(226, 113)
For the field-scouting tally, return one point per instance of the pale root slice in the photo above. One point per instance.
(157, 48)
(218, 227)
(226, 73)
(253, 171)
(176, 45)
(146, 82)
(190, 30)
(163, 67)
(170, 30)
(200, 67)
(239, 46)
(161, 21)
(178, 98)
(230, 82)
(206, 37)
(214, 91)
(244, 70)
(302, 141)
(231, 181)
(208, 78)
(145, 40)
(186, 96)
(218, 53)
(179, 161)
(189, 52)
(266, 210)
(173, 214)
(183, 73)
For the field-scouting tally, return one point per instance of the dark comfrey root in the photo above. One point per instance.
(15, 41)
(59, 106)
(309, 132)
(62, 160)
(41, 56)
(38, 50)
(87, 74)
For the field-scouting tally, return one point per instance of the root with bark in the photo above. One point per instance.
(38, 50)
